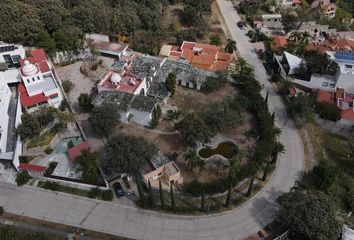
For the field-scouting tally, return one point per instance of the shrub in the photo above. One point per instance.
(85, 102)
(50, 185)
(50, 169)
(48, 150)
(67, 86)
(1, 210)
(70, 144)
(213, 84)
(328, 111)
(107, 195)
(22, 178)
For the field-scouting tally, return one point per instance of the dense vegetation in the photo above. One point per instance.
(61, 24)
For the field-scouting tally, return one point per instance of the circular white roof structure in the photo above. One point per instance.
(116, 78)
(29, 68)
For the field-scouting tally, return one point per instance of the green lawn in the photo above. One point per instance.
(44, 139)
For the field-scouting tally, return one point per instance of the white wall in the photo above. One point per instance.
(5, 95)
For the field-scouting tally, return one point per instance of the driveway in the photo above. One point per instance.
(136, 223)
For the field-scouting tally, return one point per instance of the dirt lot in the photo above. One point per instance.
(166, 142)
(189, 100)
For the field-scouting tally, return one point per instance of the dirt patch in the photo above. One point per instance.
(172, 13)
(166, 142)
(207, 175)
(189, 100)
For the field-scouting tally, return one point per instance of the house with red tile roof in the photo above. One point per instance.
(279, 43)
(39, 86)
(204, 56)
(32, 170)
(342, 44)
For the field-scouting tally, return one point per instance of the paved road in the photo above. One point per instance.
(141, 224)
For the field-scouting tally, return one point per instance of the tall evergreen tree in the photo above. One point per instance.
(202, 202)
(140, 189)
(162, 200)
(228, 197)
(151, 195)
(250, 187)
(265, 173)
(173, 200)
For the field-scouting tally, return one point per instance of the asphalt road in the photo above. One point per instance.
(135, 223)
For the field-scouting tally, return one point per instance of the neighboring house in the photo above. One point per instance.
(76, 151)
(105, 47)
(271, 24)
(325, 6)
(161, 167)
(279, 43)
(10, 106)
(286, 64)
(32, 170)
(347, 233)
(332, 44)
(10, 55)
(39, 87)
(132, 108)
(288, 3)
(204, 56)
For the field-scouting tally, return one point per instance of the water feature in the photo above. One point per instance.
(226, 149)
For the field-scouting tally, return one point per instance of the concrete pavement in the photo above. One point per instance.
(142, 224)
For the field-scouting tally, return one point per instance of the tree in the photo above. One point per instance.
(250, 186)
(228, 197)
(44, 40)
(85, 102)
(22, 178)
(171, 82)
(325, 174)
(29, 126)
(193, 129)
(266, 169)
(309, 215)
(140, 189)
(328, 111)
(104, 118)
(301, 107)
(230, 46)
(64, 118)
(162, 200)
(127, 154)
(289, 21)
(202, 202)
(215, 40)
(88, 166)
(67, 86)
(151, 195)
(278, 148)
(241, 67)
(192, 158)
(173, 200)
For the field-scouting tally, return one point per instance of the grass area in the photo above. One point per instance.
(19, 233)
(60, 227)
(44, 139)
(106, 195)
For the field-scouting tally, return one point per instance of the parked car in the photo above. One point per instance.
(118, 189)
(240, 24)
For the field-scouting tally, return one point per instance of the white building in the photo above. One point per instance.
(39, 86)
(288, 3)
(10, 107)
(10, 55)
(287, 64)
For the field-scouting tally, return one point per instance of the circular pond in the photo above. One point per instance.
(226, 149)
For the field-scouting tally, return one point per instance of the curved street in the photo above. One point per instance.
(141, 224)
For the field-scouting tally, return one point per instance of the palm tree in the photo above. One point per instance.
(230, 46)
(242, 67)
(192, 158)
(88, 166)
(277, 149)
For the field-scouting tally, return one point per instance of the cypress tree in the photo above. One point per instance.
(203, 202)
(151, 195)
(273, 116)
(162, 200)
(140, 189)
(265, 173)
(173, 200)
(266, 98)
(249, 191)
(228, 197)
